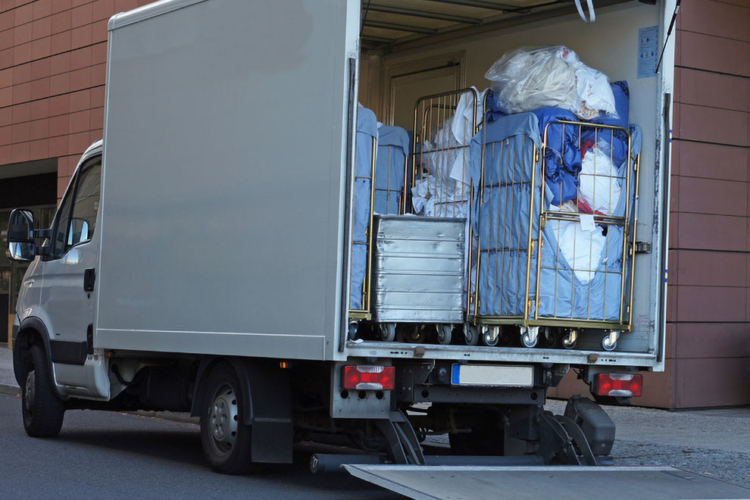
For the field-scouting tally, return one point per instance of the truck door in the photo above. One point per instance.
(69, 275)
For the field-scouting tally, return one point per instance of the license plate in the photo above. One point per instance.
(493, 376)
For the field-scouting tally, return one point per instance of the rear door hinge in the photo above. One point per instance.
(643, 247)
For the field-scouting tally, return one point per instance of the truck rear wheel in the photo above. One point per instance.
(43, 411)
(226, 440)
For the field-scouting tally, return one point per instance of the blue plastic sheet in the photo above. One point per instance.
(501, 210)
(367, 132)
(393, 148)
(562, 157)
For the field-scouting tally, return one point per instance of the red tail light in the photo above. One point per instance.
(619, 384)
(369, 378)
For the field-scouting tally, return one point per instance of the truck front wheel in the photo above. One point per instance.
(42, 410)
(226, 440)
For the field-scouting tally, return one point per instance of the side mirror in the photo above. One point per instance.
(21, 242)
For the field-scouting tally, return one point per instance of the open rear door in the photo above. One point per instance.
(470, 482)
(224, 189)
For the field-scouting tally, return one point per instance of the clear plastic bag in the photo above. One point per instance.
(526, 79)
(530, 78)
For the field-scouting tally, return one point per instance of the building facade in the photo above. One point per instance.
(52, 77)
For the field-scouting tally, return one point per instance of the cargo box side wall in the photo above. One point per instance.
(223, 188)
(611, 46)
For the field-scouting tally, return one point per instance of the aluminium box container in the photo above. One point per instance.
(419, 269)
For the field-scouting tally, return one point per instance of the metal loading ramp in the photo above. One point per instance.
(559, 482)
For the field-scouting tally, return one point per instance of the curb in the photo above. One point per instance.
(180, 417)
(10, 390)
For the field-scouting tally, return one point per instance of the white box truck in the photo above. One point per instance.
(202, 256)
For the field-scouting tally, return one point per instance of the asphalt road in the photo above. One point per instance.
(113, 455)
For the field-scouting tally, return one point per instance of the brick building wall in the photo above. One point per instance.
(709, 293)
(52, 74)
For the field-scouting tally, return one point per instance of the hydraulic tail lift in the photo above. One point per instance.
(571, 461)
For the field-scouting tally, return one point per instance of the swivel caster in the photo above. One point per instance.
(353, 328)
(570, 340)
(529, 336)
(445, 334)
(471, 335)
(609, 342)
(490, 335)
(416, 335)
(387, 332)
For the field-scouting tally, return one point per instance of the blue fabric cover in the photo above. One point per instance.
(504, 226)
(393, 148)
(562, 158)
(501, 209)
(492, 110)
(367, 130)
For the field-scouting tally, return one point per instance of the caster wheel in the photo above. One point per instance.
(491, 337)
(488, 341)
(529, 337)
(416, 335)
(607, 345)
(387, 332)
(570, 340)
(353, 329)
(471, 335)
(445, 334)
(609, 342)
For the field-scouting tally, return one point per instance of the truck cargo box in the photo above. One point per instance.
(229, 170)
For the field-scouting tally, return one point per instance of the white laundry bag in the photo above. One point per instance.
(530, 78)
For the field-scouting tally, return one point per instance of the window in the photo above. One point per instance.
(76, 225)
(86, 205)
(61, 225)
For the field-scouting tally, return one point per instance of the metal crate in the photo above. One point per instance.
(419, 269)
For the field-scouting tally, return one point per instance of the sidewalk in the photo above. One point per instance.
(8, 384)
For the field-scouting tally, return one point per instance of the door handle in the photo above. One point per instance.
(89, 278)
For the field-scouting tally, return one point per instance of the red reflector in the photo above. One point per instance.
(369, 378)
(619, 384)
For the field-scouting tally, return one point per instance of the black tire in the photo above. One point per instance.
(43, 411)
(226, 441)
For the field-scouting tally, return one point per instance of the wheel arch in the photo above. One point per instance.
(31, 330)
(267, 390)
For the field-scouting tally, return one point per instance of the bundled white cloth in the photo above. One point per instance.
(435, 197)
(593, 93)
(599, 187)
(526, 79)
(447, 150)
(446, 191)
(463, 123)
(582, 249)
